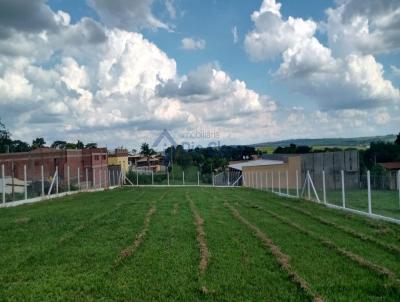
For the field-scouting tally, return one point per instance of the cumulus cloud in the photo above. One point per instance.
(367, 27)
(127, 14)
(272, 35)
(215, 96)
(84, 78)
(193, 43)
(355, 80)
(26, 16)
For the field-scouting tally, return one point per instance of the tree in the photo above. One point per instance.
(38, 143)
(91, 146)
(397, 141)
(147, 151)
(19, 146)
(59, 144)
(5, 139)
(70, 146)
(80, 145)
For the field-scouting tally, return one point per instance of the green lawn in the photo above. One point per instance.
(384, 202)
(194, 244)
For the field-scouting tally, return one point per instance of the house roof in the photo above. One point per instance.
(391, 165)
(255, 163)
(150, 159)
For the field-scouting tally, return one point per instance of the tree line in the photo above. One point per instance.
(7, 144)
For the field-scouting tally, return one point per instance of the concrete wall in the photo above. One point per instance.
(122, 161)
(268, 175)
(332, 162)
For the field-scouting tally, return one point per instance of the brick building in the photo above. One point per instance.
(90, 162)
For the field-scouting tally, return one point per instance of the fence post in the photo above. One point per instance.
(287, 182)
(198, 178)
(266, 181)
(398, 184)
(324, 185)
(228, 177)
(343, 190)
(183, 177)
(68, 181)
(152, 178)
(297, 183)
(94, 178)
(279, 182)
(105, 179)
(100, 182)
(25, 183)
(256, 176)
(42, 174)
(87, 179)
(57, 180)
(213, 180)
(308, 185)
(168, 177)
(3, 184)
(369, 192)
(109, 178)
(272, 181)
(79, 179)
(137, 178)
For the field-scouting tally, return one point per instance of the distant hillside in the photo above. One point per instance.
(330, 142)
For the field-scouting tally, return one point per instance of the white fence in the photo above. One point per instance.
(357, 193)
(183, 178)
(33, 186)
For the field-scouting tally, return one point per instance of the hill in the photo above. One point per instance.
(329, 142)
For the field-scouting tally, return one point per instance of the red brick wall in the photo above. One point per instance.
(95, 160)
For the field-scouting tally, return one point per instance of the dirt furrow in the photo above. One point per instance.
(129, 250)
(380, 270)
(282, 258)
(389, 247)
(201, 238)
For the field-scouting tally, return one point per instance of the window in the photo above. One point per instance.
(104, 157)
(96, 157)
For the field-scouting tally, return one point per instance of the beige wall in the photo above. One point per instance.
(261, 176)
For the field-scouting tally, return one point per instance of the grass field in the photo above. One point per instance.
(194, 244)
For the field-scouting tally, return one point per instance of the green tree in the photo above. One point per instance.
(70, 146)
(80, 145)
(91, 146)
(59, 144)
(19, 146)
(147, 151)
(397, 141)
(38, 143)
(5, 140)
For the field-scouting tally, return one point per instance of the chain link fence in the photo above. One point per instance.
(375, 195)
(30, 181)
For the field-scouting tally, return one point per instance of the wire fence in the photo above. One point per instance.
(29, 182)
(182, 177)
(375, 195)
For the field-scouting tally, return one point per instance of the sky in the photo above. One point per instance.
(209, 71)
